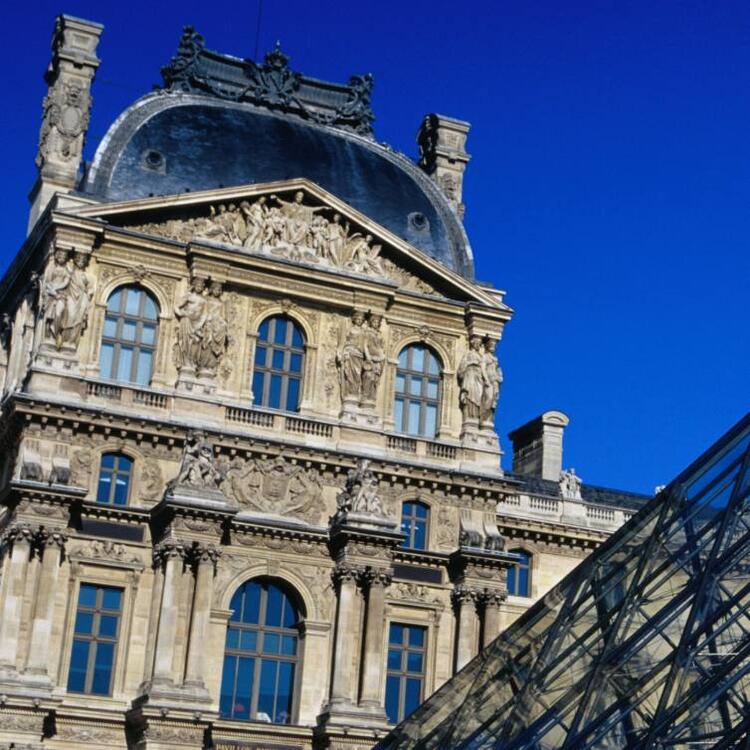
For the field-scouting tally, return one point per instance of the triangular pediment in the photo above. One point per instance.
(293, 220)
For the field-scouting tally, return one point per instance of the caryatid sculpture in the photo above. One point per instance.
(350, 360)
(191, 312)
(374, 358)
(198, 467)
(471, 382)
(65, 298)
(360, 493)
(214, 335)
(493, 377)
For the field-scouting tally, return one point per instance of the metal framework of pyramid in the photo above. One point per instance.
(646, 644)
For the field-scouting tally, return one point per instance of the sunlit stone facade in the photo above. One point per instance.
(251, 484)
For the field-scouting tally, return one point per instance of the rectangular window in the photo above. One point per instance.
(404, 688)
(96, 630)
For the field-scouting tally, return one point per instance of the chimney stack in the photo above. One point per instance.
(66, 109)
(538, 446)
(442, 155)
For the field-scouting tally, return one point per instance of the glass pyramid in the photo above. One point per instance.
(646, 644)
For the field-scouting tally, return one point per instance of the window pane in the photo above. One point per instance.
(227, 686)
(402, 358)
(245, 676)
(288, 645)
(148, 334)
(150, 311)
(430, 422)
(273, 606)
(108, 460)
(414, 661)
(279, 335)
(297, 339)
(523, 581)
(113, 304)
(87, 595)
(78, 664)
(260, 355)
(271, 643)
(413, 427)
(415, 386)
(105, 653)
(285, 692)
(143, 373)
(105, 483)
(277, 361)
(432, 388)
(108, 626)
(417, 358)
(110, 326)
(125, 363)
(121, 490)
(394, 659)
(511, 582)
(111, 598)
(420, 535)
(105, 361)
(295, 363)
(263, 330)
(400, 383)
(233, 638)
(413, 695)
(128, 330)
(420, 510)
(292, 394)
(249, 640)
(396, 634)
(258, 388)
(416, 636)
(267, 690)
(274, 396)
(133, 301)
(289, 614)
(433, 366)
(398, 414)
(392, 685)
(251, 610)
(84, 623)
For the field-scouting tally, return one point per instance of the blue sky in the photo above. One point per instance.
(608, 191)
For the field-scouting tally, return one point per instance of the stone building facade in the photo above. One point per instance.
(251, 484)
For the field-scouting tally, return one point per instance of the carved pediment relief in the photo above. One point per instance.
(295, 225)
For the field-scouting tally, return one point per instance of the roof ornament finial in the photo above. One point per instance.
(276, 59)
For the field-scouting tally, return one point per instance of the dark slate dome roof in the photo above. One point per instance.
(170, 142)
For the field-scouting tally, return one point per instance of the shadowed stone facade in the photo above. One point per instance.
(249, 386)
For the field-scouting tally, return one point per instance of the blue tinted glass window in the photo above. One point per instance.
(129, 336)
(414, 520)
(404, 670)
(115, 471)
(92, 655)
(261, 654)
(519, 575)
(417, 392)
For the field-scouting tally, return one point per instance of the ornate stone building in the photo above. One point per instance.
(251, 485)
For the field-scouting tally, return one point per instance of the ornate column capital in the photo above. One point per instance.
(168, 550)
(50, 538)
(463, 594)
(345, 572)
(18, 534)
(371, 577)
(203, 554)
(491, 598)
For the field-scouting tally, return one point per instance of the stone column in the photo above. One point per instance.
(52, 544)
(205, 562)
(491, 625)
(466, 641)
(19, 540)
(347, 630)
(373, 662)
(170, 556)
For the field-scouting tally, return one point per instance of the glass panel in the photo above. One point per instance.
(111, 598)
(108, 461)
(258, 388)
(143, 374)
(113, 305)
(263, 330)
(245, 676)
(78, 663)
(297, 339)
(148, 334)
(128, 330)
(289, 616)
(105, 361)
(398, 414)
(392, 685)
(289, 645)
(108, 626)
(400, 383)
(430, 422)
(432, 388)
(87, 595)
(396, 634)
(227, 686)
(416, 636)
(277, 360)
(413, 695)
(523, 581)
(394, 659)
(133, 301)
(415, 386)
(420, 510)
(433, 366)
(279, 335)
(233, 638)
(84, 623)
(413, 427)
(249, 640)
(260, 356)
(273, 606)
(150, 310)
(417, 358)
(105, 483)
(110, 327)
(251, 611)
(125, 363)
(105, 653)
(271, 643)
(413, 661)
(292, 394)
(274, 396)
(511, 582)
(285, 692)
(267, 691)
(295, 363)
(420, 535)
(402, 358)
(121, 490)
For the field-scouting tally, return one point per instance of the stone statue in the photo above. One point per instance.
(198, 467)
(493, 377)
(191, 312)
(570, 485)
(374, 358)
(78, 300)
(337, 235)
(255, 223)
(350, 359)
(298, 218)
(360, 494)
(22, 338)
(214, 334)
(471, 382)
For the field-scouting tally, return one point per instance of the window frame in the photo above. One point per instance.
(95, 637)
(413, 520)
(259, 656)
(114, 473)
(526, 565)
(285, 372)
(406, 396)
(403, 673)
(118, 341)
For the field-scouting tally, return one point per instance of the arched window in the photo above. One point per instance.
(129, 337)
(115, 472)
(279, 359)
(260, 657)
(519, 575)
(417, 402)
(414, 520)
